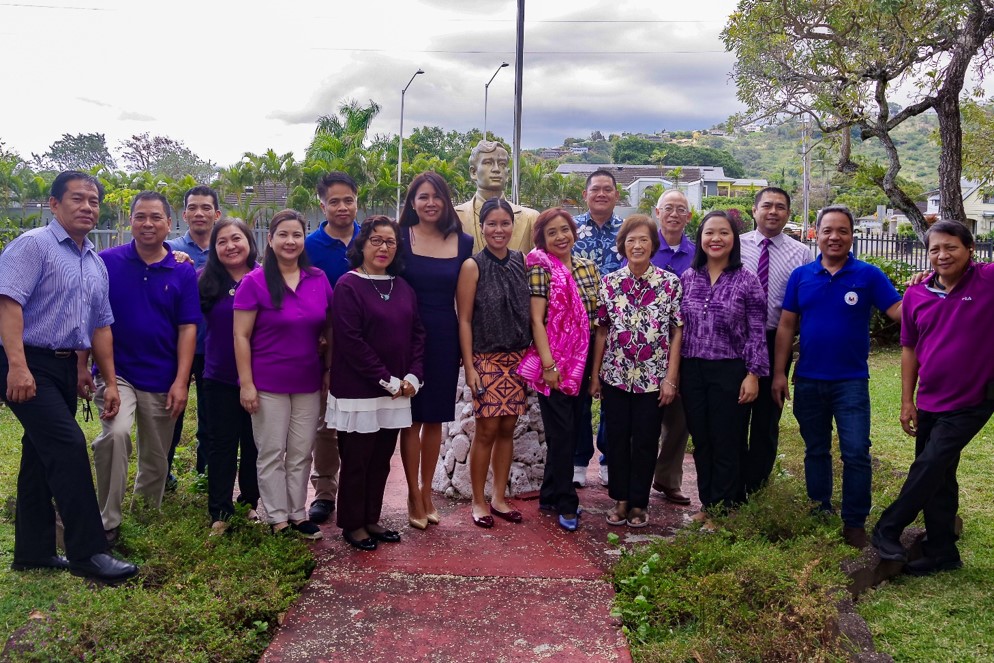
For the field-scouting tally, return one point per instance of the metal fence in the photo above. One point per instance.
(902, 249)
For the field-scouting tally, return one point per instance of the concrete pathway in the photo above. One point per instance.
(457, 592)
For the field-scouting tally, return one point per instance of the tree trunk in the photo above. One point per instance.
(950, 159)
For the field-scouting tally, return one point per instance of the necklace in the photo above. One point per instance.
(385, 296)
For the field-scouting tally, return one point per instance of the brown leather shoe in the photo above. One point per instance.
(855, 536)
(675, 496)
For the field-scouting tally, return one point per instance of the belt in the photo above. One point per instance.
(58, 353)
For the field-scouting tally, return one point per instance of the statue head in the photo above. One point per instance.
(488, 166)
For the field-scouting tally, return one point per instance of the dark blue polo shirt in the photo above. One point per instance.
(150, 302)
(835, 312)
(327, 253)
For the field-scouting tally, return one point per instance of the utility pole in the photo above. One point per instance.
(519, 52)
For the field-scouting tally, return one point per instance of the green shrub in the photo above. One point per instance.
(762, 588)
(883, 330)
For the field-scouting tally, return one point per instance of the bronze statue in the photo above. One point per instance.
(488, 166)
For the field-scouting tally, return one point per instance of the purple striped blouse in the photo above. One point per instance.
(726, 321)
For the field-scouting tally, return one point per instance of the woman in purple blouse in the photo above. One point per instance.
(232, 255)
(281, 315)
(377, 360)
(723, 356)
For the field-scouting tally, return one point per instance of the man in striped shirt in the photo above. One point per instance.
(772, 255)
(54, 301)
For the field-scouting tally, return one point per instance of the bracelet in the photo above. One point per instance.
(551, 367)
(669, 383)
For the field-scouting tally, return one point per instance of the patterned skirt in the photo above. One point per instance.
(503, 391)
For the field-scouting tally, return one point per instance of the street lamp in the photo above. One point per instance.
(400, 142)
(486, 91)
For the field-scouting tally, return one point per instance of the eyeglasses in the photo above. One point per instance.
(669, 209)
(379, 241)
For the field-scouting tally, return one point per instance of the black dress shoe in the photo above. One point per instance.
(367, 544)
(55, 563)
(103, 567)
(320, 511)
(386, 536)
(926, 566)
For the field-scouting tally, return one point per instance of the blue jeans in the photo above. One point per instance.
(816, 402)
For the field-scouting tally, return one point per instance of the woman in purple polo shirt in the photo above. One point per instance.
(723, 355)
(281, 315)
(231, 256)
(377, 357)
(946, 322)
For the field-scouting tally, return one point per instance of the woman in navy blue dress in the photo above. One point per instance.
(434, 248)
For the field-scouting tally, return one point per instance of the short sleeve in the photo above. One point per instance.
(189, 305)
(538, 282)
(21, 265)
(909, 331)
(676, 298)
(247, 296)
(790, 295)
(885, 294)
(603, 316)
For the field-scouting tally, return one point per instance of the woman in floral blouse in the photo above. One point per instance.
(724, 355)
(636, 364)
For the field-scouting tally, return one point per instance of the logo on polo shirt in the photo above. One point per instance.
(851, 298)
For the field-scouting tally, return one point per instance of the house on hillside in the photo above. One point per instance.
(695, 181)
(978, 205)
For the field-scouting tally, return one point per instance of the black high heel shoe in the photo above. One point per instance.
(368, 544)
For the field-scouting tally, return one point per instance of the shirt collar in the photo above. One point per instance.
(614, 222)
(331, 240)
(61, 235)
(169, 262)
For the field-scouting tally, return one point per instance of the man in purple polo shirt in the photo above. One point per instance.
(156, 309)
(945, 328)
(674, 255)
(326, 248)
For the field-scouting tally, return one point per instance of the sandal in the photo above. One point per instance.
(638, 518)
(620, 514)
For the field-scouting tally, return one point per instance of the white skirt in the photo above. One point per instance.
(367, 415)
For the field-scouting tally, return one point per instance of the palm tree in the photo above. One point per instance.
(234, 181)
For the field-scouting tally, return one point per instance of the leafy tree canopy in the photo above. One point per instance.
(76, 152)
(841, 62)
(164, 156)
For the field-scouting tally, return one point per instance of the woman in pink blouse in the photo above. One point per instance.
(281, 314)
(636, 365)
(723, 356)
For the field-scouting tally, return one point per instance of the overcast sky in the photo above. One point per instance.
(228, 77)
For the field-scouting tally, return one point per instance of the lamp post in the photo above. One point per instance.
(486, 91)
(400, 142)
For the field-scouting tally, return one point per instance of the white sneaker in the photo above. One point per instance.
(603, 473)
(579, 476)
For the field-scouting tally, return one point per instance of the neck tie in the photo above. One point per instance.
(763, 271)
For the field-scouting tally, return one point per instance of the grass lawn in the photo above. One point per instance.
(196, 599)
(764, 587)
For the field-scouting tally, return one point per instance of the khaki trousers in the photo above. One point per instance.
(284, 430)
(324, 473)
(112, 450)
(672, 447)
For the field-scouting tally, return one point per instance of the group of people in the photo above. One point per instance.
(349, 339)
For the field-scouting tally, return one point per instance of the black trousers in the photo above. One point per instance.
(203, 437)
(632, 422)
(764, 427)
(229, 430)
(54, 465)
(363, 476)
(562, 417)
(718, 424)
(931, 487)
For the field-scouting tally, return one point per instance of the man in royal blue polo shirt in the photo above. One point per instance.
(674, 255)
(200, 211)
(326, 247)
(833, 298)
(156, 309)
